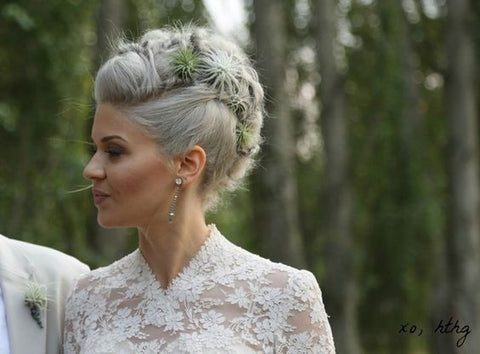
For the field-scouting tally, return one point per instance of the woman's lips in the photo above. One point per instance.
(99, 196)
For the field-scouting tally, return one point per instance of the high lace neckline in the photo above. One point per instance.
(214, 236)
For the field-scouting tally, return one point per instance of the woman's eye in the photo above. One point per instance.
(114, 151)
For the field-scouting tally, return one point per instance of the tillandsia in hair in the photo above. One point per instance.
(221, 71)
(244, 137)
(186, 63)
(189, 56)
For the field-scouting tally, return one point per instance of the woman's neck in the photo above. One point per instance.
(168, 248)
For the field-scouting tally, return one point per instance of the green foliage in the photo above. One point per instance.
(234, 216)
(155, 13)
(399, 178)
(44, 84)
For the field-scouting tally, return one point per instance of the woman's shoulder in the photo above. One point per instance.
(275, 274)
(288, 302)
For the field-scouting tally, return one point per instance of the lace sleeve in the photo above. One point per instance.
(309, 331)
(70, 344)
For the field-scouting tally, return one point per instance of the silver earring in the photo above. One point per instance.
(171, 212)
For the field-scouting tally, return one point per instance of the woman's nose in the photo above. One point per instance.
(94, 169)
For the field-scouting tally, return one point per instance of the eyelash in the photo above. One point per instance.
(112, 151)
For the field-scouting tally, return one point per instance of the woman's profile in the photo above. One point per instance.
(178, 119)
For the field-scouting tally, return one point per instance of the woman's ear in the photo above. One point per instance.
(190, 165)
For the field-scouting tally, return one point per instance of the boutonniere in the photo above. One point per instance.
(36, 299)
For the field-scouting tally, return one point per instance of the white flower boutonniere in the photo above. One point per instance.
(36, 299)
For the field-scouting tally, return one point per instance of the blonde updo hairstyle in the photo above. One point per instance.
(189, 86)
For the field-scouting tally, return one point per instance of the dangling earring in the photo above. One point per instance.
(171, 212)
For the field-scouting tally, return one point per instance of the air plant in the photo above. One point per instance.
(185, 63)
(221, 70)
(244, 137)
(36, 299)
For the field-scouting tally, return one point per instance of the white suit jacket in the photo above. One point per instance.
(21, 263)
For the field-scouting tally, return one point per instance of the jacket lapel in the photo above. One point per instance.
(24, 333)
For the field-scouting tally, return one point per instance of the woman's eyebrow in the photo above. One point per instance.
(110, 137)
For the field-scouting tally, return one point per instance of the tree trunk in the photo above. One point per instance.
(340, 287)
(111, 20)
(274, 184)
(463, 240)
(411, 116)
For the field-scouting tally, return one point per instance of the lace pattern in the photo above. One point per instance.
(225, 300)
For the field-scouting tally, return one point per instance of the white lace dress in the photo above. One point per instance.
(226, 300)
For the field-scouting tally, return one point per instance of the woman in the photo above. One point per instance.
(177, 122)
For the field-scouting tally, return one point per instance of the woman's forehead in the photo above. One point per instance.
(111, 122)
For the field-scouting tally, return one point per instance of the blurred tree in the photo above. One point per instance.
(397, 146)
(463, 238)
(340, 284)
(274, 183)
(41, 105)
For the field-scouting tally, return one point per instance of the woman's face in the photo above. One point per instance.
(132, 183)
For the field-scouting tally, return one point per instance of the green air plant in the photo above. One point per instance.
(237, 104)
(185, 63)
(220, 69)
(36, 299)
(244, 136)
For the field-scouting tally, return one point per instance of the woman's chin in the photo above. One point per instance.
(108, 222)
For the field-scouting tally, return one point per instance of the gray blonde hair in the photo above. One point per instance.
(189, 86)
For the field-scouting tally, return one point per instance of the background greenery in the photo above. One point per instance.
(392, 66)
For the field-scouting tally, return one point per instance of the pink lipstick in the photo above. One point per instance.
(99, 196)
